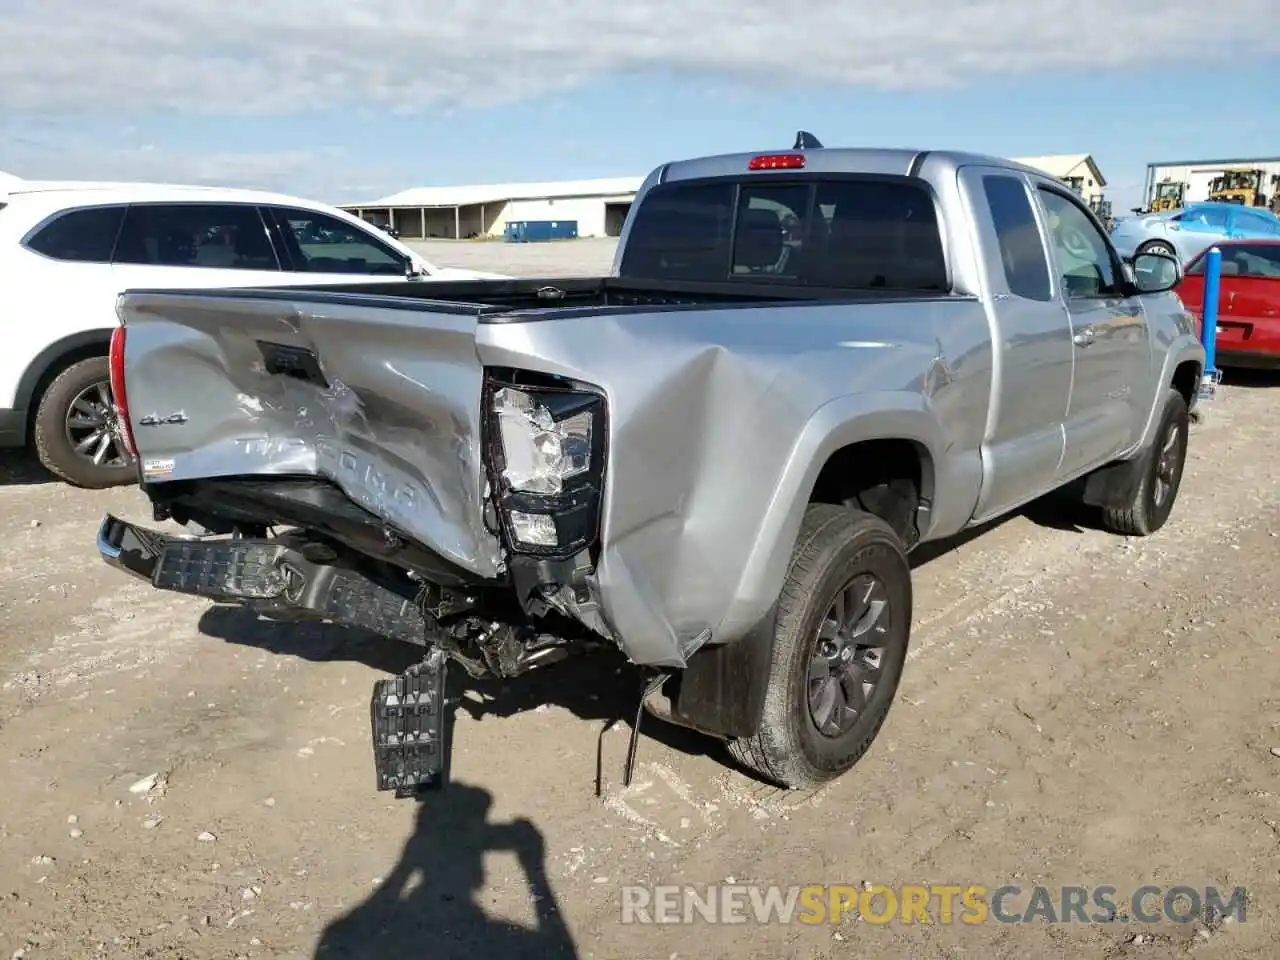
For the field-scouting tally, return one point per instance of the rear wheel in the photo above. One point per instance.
(76, 430)
(844, 618)
(1161, 475)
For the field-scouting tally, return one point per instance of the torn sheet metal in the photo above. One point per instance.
(391, 413)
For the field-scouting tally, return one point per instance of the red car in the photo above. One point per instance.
(1248, 302)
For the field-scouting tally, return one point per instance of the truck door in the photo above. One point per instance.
(1110, 389)
(1032, 353)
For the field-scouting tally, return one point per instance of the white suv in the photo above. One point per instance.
(66, 251)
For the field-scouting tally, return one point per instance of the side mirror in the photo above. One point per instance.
(1156, 272)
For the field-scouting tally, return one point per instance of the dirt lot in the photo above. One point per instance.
(1078, 709)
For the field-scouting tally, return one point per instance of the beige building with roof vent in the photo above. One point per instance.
(1077, 170)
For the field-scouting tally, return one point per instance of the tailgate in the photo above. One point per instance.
(383, 401)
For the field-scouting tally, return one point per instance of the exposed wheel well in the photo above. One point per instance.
(1186, 378)
(887, 478)
(83, 351)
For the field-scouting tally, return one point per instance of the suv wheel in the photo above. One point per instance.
(76, 431)
(844, 619)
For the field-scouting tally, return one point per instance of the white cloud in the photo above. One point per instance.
(284, 56)
(324, 173)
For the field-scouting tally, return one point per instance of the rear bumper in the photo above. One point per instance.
(268, 575)
(1247, 359)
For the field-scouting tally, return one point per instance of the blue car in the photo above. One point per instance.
(1196, 227)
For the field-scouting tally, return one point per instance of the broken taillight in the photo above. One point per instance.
(777, 161)
(115, 368)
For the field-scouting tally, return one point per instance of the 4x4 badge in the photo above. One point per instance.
(155, 420)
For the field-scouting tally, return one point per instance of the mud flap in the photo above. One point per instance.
(410, 735)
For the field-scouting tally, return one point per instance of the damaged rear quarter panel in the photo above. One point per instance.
(396, 426)
(719, 422)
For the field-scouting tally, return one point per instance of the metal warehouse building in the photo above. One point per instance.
(1198, 174)
(599, 207)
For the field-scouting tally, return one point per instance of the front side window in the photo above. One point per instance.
(87, 235)
(319, 243)
(1203, 217)
(218, 236)
(1084, 259)
(854, 233)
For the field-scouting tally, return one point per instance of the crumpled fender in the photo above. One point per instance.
(838, 423)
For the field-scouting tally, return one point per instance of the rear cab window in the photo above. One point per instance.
(856, 233)
(85, 235)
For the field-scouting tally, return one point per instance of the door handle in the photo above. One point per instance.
(1084, 338)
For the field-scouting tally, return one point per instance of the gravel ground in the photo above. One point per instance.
(186, 782)
(591, 256)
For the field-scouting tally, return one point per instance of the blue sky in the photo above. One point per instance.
(338, 110)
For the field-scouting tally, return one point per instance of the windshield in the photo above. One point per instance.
(856, 233)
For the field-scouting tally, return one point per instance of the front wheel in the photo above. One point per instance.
(76, 431)
(1160, 475)
(840, 643)
(1158, 246)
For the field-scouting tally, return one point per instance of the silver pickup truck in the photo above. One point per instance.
(804, 364)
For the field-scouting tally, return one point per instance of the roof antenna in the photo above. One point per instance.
(806, 141)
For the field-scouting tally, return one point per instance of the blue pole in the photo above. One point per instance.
(1209, 325)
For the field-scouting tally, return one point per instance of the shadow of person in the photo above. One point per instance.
(427, 908)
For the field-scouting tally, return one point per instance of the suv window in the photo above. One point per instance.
(1025, 268)
(1084, 258)
(227, 236)
(87, 235)
(853, 234)
(319, 243)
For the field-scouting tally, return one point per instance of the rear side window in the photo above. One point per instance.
(1254, 223)
(1025, 269)
(225, 236)
(80, 236)
(853, 234)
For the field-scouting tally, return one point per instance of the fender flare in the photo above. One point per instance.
(50, 359)
(1184, 347)
(722, 688)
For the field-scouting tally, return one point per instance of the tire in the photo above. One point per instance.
(839, 550)
(1161, 475)
(1158, 246)
(56, 436)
